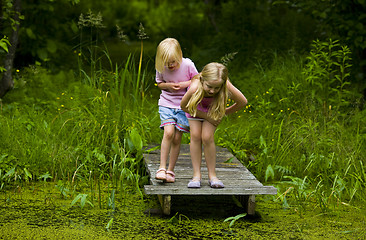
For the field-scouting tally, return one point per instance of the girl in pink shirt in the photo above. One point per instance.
(173, 76)
(205, 104)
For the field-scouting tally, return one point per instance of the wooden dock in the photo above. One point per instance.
(238, 180)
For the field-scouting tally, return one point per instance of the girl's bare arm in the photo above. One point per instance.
(237, 96)
(187, 96)
(171, 87)
(185, 84)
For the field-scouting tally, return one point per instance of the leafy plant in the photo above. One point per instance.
(234, 219)
(83, 200)
(327, 70)
(4, 43)
(15, 174)
(177, 218)
(64, 191)
(302, 193)
(109, 224)
(45, 176)
(269, 173)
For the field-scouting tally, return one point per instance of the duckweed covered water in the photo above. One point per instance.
(41, 212)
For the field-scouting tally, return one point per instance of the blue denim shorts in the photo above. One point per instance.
(173, 116)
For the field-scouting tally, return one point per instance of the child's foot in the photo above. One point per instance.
(170, 177)
(215, 183)
(161, 174)
(195, 183)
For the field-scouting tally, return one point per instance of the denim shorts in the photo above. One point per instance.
(173, 116)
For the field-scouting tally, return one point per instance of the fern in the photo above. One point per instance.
(284, 170)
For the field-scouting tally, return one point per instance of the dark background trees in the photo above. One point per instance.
(207, 29)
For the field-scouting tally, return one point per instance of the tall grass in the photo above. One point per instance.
(79, 131)
(90, 129)
(308, 141)
(84, 127)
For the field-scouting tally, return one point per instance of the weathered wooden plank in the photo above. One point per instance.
(154, 167)
(220, 174)
(182, 172)
(232, 183)
(206, 190)
(238, 180)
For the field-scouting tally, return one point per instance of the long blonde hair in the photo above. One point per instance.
(168, 49)
(211, 72)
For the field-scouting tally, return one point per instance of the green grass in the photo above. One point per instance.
(39, 211)
(94, 128)
(286, 132)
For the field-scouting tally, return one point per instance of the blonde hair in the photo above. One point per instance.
(168, 49)
(211, 72)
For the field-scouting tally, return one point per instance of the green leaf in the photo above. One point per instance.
(2, 157)
(262, 141)
(76, 199)
(4, 46)
(27, 173)
(42, 53)
(45, 176)
(109, 224)
(83, 200)
(269, 173)
(51, 46)
(10, 172)
(30, 33)
(234, 219)
(135, 140)
(230, 160)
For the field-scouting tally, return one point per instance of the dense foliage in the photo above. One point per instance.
(84, 103)
(207, 30)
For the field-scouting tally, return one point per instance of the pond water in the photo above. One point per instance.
(41, 211)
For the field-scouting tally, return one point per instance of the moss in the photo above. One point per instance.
(41, 212)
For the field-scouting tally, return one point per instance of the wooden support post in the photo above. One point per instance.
(165, 202)
(248, 203)
(251, 205)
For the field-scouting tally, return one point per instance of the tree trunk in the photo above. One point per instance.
(7, 83)
(212, 7)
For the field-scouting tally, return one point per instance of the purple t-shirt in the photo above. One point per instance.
(203, 106)
(184, 73)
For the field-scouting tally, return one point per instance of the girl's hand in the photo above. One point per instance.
(214, 122)
(173, 87)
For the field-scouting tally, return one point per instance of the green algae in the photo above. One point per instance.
(41, 212)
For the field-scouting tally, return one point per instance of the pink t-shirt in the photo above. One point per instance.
(203, 106)
(184, 73)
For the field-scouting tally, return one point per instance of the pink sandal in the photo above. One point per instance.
(170, 177)
(161, 174)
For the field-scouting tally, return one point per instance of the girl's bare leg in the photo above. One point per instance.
(166, 143)
(175, 149)
(209, 147)
(196, 147)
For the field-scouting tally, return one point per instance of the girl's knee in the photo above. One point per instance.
(177, 137)
(169, 133)
(207, 139)
(196, 136)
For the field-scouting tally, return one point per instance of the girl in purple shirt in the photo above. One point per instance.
(205, 104)
(173, 76)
